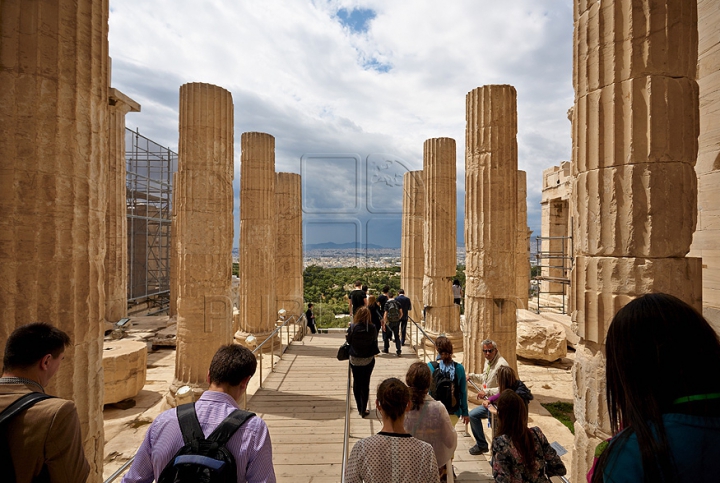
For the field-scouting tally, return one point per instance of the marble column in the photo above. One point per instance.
(53, 167)
(116, 256)
(634, 197)
(491, 215)
(174, 249)
(522, 256)
(257, 313)
(288, 236)
(412, 254)
(442, 316)
(204, 202)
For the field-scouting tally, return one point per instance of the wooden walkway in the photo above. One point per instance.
(303, 404)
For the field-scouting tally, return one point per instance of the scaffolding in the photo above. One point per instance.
(555, 265)
(150, 169)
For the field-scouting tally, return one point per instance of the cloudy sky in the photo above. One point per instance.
(352, 89)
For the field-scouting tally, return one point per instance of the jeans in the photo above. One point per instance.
(361, 384)
(476, 425)
(396, 333)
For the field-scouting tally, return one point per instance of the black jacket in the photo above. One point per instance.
(363, 340)
(522, 390)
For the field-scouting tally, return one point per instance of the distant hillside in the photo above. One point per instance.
(338, 246)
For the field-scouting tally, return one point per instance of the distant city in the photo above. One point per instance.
(337, 255)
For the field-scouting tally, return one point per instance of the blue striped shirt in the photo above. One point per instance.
(250, 445)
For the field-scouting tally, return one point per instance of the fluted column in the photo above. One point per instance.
(174, 248)
(204, 240)
(53, 165)
(522, 257)
(257, 238)
(412, 253)
(288, 236)
(490, 222)
(635, 129)
(442, 316)
(116, 256)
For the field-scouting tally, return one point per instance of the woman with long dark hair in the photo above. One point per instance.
(428, 419)
(362, 337)
(521, 454)
(392, 454)
(663, 394)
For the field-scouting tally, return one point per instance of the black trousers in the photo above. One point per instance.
(390, 331)
(403, 324)
(361, 384)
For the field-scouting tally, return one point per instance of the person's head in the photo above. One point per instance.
(418, 379)
(232, 365)
(512, 421)
(310, 306)
(489, 348)
(35, 346)
(361, 316)
(506, 378)
(456, 282)
(386, 289)
(444, 348)
(391, 294)
(393, 398)
(401, 292)
(364, 288)
(358, 283)
(371, 300)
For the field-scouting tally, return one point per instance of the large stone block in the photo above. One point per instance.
(645, 210)
(124, 369)
(540, 339)
(603, 285)
(623, 39)
(651, 119)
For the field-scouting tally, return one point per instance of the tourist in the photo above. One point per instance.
(310, 318)
(428, 420)
(393, 454)
(521, 454)
(406, 307)
(43, 442)
(374, 308)
(663, 395)
(356, 298)
(391, 325)
(362, 337)
(383, 298)
(457, 291)
(445, 369)
(230, 371)
(507, 380)
(488, 379)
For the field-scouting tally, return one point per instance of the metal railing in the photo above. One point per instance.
(415, 346)
(299, 320)
(346, 436)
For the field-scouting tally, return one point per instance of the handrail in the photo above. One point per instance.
(346, 435)
(302, 319)
(417, 340)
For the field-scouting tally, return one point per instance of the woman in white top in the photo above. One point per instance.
(428, 420)
(392, 455)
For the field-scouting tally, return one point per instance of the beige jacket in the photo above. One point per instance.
(47, 433)
(489, 374)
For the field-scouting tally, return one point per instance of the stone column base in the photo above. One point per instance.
(174, 399)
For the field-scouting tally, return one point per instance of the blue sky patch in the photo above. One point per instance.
(374, 64)
(357, 19)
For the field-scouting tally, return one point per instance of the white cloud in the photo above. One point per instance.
(297, 73)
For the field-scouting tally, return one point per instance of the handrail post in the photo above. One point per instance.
(346, 436)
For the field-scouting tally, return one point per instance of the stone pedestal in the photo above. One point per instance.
(491, 226)
(522, 255)
(204, 203)
(53, 167)
(288, 236)
(257, 239)
(634, 201)
(412, 253)
(124, 369)
(116, 255)
(442, 316)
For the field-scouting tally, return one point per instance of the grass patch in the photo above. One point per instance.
(563, 412)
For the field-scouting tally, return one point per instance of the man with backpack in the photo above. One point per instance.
(40, 436)
(216, 442)
(391, 324)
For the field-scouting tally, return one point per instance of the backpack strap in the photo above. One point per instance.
(21, 404)
(229, 425)
(436, 365)
(189, 424)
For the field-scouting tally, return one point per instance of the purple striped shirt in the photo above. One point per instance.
(250, 445)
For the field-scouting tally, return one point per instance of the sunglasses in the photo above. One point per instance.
(488, 351)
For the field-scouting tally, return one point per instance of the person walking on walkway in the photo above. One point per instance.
(449, 381)
(391, 321)
(362, 337)
(406, 307)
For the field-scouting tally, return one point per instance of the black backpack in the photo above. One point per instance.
(392, 310)
(20, 405)
(445, 389)
(203, 460)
